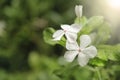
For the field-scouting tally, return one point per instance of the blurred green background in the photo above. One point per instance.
(23, 53)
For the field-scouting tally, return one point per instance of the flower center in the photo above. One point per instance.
(79, 50)
(65, 30)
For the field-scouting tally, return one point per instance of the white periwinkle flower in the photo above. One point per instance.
(70, 32)
(78, 10)
(83, 51)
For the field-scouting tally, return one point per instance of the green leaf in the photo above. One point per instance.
(97, 62)
(103, 33)
(102, 54)
(47, 35)
(92, 24)
(110, 52)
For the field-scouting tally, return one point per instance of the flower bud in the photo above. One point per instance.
(78, 10)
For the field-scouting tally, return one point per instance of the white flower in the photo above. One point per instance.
(84, 53)
(78, 10)
(70, 32)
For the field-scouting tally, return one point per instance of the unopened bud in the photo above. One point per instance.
(78, 10)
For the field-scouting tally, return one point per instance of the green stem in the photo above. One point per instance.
(79, 19)
(98, 73)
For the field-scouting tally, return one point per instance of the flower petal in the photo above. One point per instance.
(85, 40)
(82, 59)
(91, 51)
(70, 55)
(72, 46)
(58, 34)
(71, 37)
(78, 10)
(75, 28)
(66, 27)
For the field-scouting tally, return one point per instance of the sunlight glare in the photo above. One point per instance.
(114, 3)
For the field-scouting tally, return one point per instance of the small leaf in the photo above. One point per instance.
(92, 24)
(47, 35)
(97, 62)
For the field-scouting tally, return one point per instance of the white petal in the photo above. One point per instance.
(58, 34)
(82, 59)
(85, 40)
(66, 27)
(91, 51)
(75, 28)
(70, 55)
(72, 46)
(71, 37)
(78, 10)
